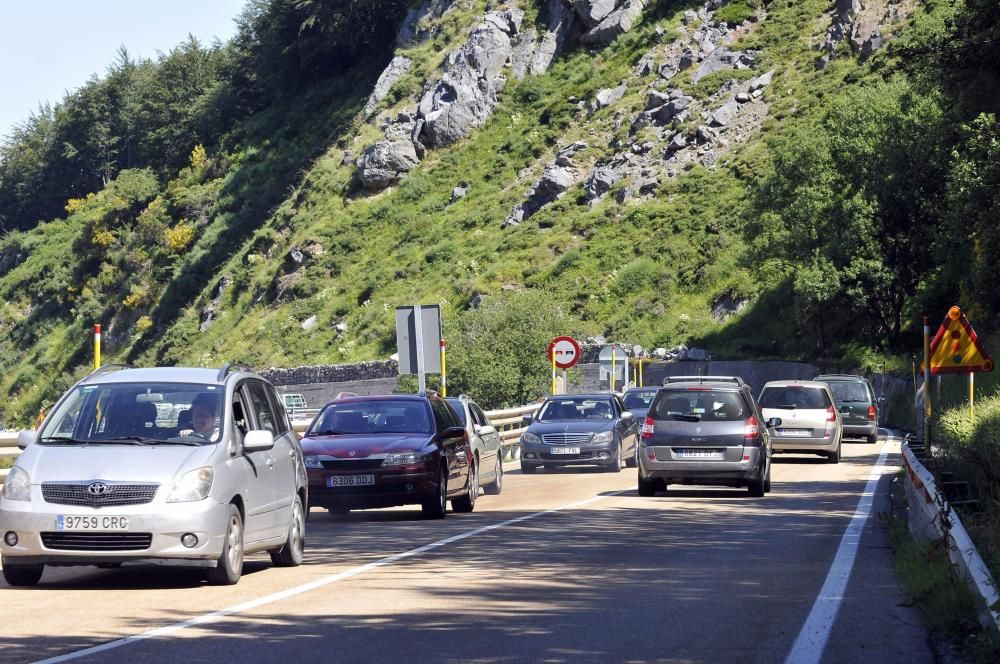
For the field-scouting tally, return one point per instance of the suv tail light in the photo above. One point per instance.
(871, 413)
(647, 428)
(751, 431)
(831, 414)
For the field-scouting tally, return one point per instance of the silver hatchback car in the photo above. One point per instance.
(811, 423)
(195, 467)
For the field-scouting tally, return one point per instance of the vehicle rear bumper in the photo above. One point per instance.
(860, 430)
(807, 445)
(694, 470)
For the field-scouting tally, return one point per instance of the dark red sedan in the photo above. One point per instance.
(388, 450)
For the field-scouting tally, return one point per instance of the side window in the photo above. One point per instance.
(241, 423)
(261, 406)
(280, 416)
(619, 406)
(480, 416)
(443, 417)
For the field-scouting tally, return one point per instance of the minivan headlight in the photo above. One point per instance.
(17, 485)
(603, 437)
(192, 485)
(404, 458)
(531, 439)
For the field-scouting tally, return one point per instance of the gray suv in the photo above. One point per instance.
(196, 467)
(705, 430)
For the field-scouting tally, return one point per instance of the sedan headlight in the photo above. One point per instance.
(405, 458)
(192, 486)
(17, 486)
(531, 439)
(312, 461)
(603, 437)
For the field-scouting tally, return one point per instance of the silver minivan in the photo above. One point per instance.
(184, 466)
(811, 424)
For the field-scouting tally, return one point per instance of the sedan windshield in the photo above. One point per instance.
(576, 409)
(376, 416)
(136, 414)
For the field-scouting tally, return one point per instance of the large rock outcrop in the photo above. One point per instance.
(382, 164)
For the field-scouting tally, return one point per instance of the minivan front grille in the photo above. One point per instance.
(87, 494)
(97, 541)
(566, 438)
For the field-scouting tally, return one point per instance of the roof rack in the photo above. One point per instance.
(105, 368)
(230, 367)
(703, 379)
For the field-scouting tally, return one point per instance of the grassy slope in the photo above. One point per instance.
(646, 271)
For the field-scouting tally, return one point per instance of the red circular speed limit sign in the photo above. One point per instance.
(566, 350)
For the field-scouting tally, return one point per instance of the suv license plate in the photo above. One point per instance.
(701, 454)
(349, 480)
(70, 522)
(794, 433)
(565, 450)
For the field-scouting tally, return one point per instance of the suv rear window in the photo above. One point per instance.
(701, 404)
(793, 396)
(849, 392)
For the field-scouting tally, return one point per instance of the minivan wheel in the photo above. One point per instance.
(467, 503)
(22, 575)
(497, 486)
(435, 507)
(647, 487)
(872, 438)
(291, 553)
(834, 457)
(230, 564)
(756, 488)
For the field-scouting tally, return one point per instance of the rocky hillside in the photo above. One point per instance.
(601, 151)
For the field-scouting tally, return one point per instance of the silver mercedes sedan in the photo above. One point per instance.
(195, 467)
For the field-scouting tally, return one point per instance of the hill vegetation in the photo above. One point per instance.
(206, 206)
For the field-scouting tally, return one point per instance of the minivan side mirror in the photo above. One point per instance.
(880, 400)
(774, 422)
(628, 415)
(25, 438)
(258, 440)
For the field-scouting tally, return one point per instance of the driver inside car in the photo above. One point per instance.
(203, 410)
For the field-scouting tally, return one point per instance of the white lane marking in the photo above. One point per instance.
(313, 585)
(811, 641)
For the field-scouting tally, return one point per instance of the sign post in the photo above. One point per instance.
(564, 353)
(444, 372)
(97, 346)
(418, 341)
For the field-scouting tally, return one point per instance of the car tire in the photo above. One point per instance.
(872, 438)
(616, 464)
(633, 461)
(756, 488)
(834, 457)
(230, 564)
(647, 488)
(436, 506)
(22, 575)
(290, 554)
(767, 481)
(496, 487)
(467, 503)
(528, 468)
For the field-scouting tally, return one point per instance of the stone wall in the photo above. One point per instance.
(331, 373)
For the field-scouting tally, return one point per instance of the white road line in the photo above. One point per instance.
(307, 587)
(811, 641)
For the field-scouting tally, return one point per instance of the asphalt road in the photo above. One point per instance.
(564, 566)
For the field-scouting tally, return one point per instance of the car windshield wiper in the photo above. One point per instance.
(62, 439)
(331, 432)
(123, 440)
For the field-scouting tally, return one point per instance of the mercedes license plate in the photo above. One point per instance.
(700, 454)
(349, 480)
(66, 522)
(794, 433)
(565, 450)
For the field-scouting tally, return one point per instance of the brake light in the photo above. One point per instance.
(751, 430)
(871, 413)
(831, 414)
(647, 428)
(699, 389)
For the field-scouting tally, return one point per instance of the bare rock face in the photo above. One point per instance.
(616, 23)
(414, 29)
(600, 181)
(392, 73)
(594, 11)
(558, 176)
(467, 93)
(382, 164)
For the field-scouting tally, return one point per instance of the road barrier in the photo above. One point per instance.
(508, 423)
(931, 517)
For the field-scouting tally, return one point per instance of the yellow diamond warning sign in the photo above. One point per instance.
(956, 348)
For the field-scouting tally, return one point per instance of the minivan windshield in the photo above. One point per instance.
(699, 405)
(790, 397)
(137, 414)
(375, 416)
(848, 392)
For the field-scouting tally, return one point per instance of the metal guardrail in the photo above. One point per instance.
(507, 422)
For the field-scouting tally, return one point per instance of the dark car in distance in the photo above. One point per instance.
(638, 400)
(383, 451)
(857, 404)
(580, 429)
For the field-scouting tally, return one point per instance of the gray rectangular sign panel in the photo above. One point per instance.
(406, 338)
